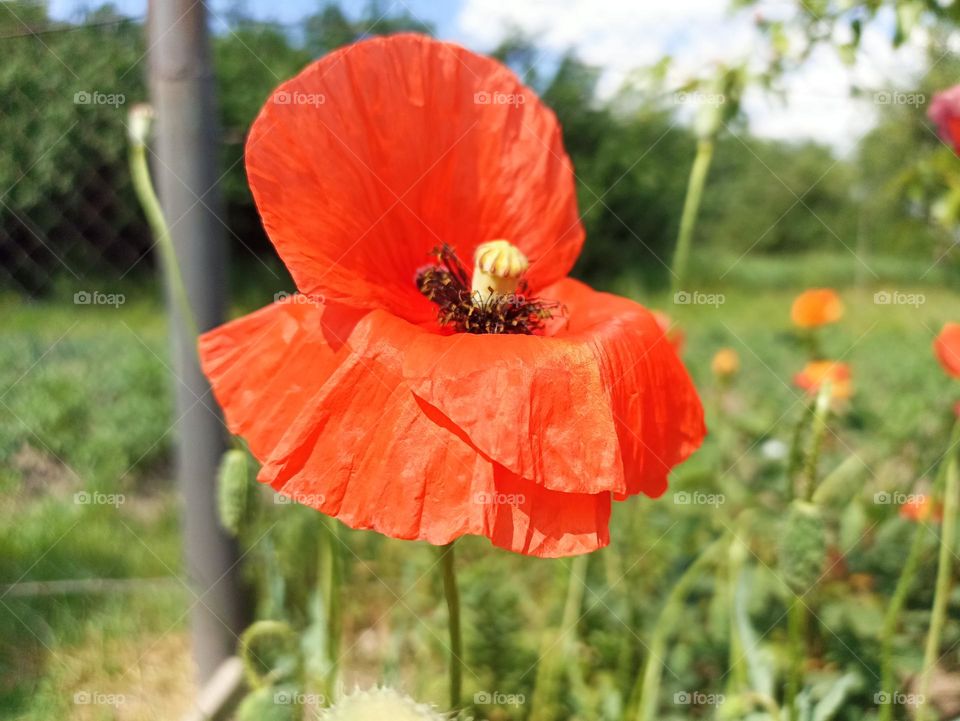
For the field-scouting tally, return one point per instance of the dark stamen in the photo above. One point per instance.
(448, 285)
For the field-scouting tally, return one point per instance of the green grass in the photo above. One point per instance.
(85, 409)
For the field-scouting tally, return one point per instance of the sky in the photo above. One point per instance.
(620, 35)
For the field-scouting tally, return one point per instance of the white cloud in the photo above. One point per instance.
(621, 35)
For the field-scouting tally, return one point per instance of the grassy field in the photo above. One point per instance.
(84, 480)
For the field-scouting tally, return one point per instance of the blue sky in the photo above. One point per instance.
(442, 13)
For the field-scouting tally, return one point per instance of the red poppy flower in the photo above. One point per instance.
(947, 347)
(393, 393)
(945, 113)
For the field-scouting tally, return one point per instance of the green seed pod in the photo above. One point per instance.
(803, 547)
(234, 490)
(272, 703)
(270, 652)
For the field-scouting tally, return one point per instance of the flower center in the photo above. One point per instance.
(497, 268)
(493, 300)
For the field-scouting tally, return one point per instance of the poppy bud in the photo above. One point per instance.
(498, 265)
(140, 118)
(234, 490)
(803, 547)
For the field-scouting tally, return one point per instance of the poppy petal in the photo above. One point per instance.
(602, 405)
(318, 394)
(947, 348)
(381, 151)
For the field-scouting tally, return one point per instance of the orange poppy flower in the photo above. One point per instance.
(725, 363)
(815, 373)
(401, 393)
(816, 307)
(947, 347)
(921, 508)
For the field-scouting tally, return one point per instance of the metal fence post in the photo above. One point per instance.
(182, 91)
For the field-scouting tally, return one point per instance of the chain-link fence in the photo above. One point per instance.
(67, 209)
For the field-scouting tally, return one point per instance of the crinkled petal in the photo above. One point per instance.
(603, 404)
(318, 394)
(381, 151)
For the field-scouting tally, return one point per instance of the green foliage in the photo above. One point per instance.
(271, 703)
(270, 651)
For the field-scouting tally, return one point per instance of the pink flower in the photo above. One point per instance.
(945, 113)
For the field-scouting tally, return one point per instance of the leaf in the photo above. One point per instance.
(833, 699)
(760, 662)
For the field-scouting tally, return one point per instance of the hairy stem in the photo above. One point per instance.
(143, 187)
(330, 568)
(647, 689)
(452, 594)
(691, 209)
(944, 572)
(821, 411)
(796, 630)
(890, 619)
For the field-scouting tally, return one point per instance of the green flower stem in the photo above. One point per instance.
(553, 663)
(143, 187)
(797, 613)
(796, 634)
(571, 615)
(691, 209)
(331, 574)
(892, 616)
(944, 572)
(452, 595)
(821, 412)
(738, 674)
(795, 456)
(647, 689)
